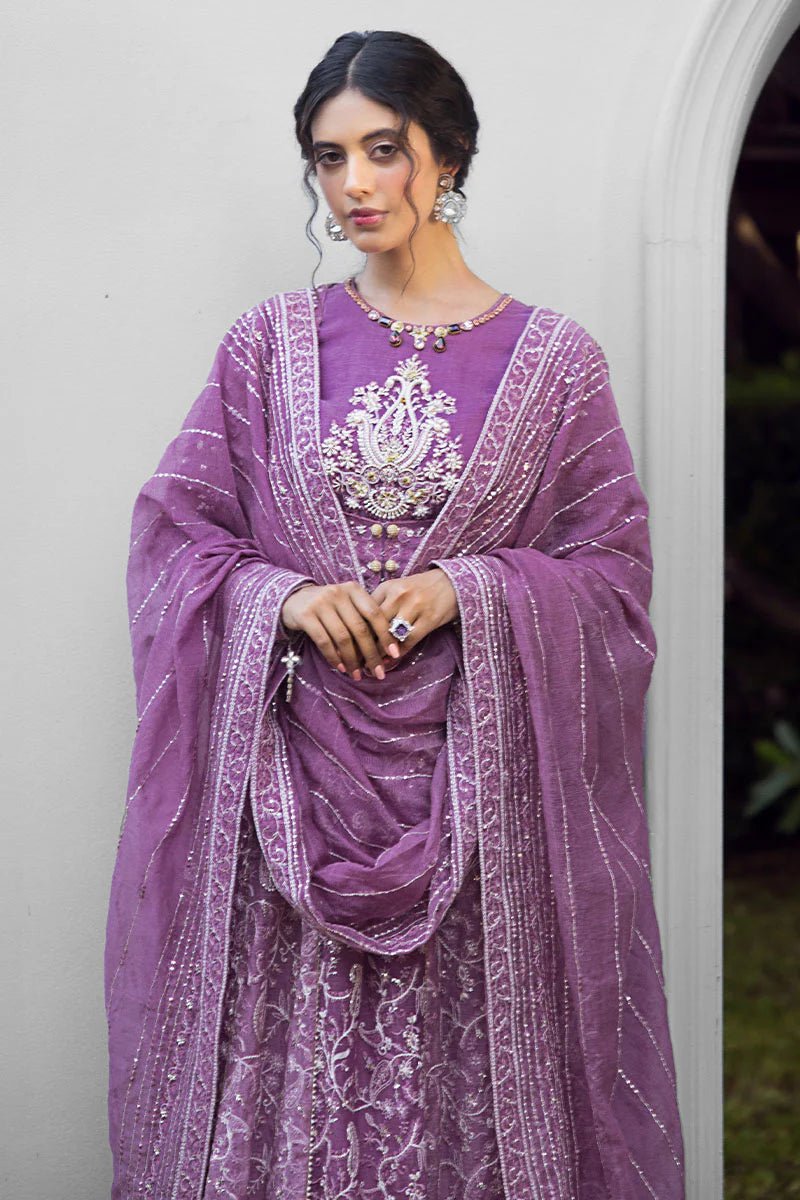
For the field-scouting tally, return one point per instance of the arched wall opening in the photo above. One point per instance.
(693, 159)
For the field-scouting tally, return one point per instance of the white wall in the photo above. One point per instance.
(153, 191)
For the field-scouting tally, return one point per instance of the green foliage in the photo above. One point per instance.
(781, 787)
(751, 387)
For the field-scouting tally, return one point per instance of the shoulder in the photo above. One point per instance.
(253, 329)
(261, 320)
(570, 340)
(564, 327)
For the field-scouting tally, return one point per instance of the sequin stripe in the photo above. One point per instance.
(279, 447)
(463, 773)
(567, 928)
(534, 1130)
(226, 795)
(164, 1034)
(159, 578)
(252, 644)
(516, 429)
(292, 371)
(315, 1067)
(522, 824)
(538, 412)
(174, 1047)
(134, 794)
(240, 342)
(149, 1088)
(666, 1130)
(272, 784)
(624, 914)
(546, 394)
(172, 1039)
(534, 1050)
(327, 537)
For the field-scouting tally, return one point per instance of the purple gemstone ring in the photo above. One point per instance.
(400, 628)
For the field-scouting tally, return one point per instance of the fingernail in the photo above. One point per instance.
(379, 671)
(357, 675)
(341, 667)
(394, 651)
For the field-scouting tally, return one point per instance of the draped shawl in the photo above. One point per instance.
(545, 540)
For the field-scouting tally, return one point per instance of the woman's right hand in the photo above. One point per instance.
(348, 627)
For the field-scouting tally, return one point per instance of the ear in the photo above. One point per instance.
(454, 165)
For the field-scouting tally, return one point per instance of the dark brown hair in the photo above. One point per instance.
(407, 75)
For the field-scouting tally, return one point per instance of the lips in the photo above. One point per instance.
(365, 212)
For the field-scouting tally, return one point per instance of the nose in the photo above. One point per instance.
(358, 179)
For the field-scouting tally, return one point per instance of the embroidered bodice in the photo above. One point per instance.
(398, 425)
(394, 455)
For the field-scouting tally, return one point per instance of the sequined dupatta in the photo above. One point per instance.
(545, 541)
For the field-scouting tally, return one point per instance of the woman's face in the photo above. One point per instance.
(359, 165)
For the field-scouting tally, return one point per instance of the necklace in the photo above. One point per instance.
(421, 333)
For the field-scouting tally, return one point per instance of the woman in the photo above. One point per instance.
(382, 921)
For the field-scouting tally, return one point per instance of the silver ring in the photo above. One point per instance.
(400, 628)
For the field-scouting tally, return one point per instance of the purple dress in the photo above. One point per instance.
(400, 1071)
(310, 990)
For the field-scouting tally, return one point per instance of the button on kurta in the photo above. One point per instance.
(375, 565)
(392, 530)
(376, 530)
(391, 565)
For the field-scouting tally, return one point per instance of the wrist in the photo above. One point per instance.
(281, 630)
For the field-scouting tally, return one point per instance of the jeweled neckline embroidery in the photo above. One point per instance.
(421, 333)
(403, 460)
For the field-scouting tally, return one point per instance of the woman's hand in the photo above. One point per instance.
(426, 600)
(350, 626)
(347, 625)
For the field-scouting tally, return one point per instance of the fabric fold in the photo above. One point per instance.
(565, 611)
(204, 603)
(525, 721)
(354, 802)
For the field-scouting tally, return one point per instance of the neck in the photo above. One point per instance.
(440, 288)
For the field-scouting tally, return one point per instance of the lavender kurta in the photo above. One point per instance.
(405, 924)
(400, 1072)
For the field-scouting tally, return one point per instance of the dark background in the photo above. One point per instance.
(762, 650)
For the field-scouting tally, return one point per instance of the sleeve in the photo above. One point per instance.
(190, 531)
(204, 599)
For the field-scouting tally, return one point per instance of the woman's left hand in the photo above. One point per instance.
(426, 601)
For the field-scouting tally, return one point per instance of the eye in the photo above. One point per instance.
(328, 157)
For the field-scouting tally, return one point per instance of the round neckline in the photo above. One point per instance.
(429, 324)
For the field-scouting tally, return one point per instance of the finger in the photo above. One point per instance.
(360, 629)
(332, 639)
(411, 616)
(379, 621)
(404, 603)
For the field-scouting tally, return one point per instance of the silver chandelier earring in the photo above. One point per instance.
(334, 229)
(449, 207)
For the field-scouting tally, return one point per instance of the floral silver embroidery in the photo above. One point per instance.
(394, 456)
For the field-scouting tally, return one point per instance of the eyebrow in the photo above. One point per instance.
(365, 138)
